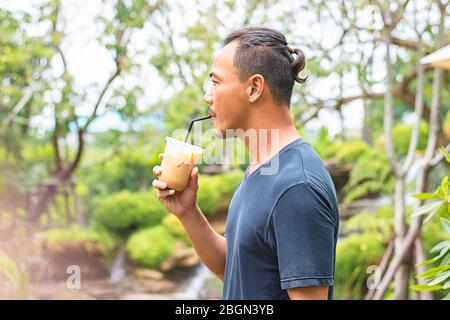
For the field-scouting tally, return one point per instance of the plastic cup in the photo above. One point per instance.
(178, 161)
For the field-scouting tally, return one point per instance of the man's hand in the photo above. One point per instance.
(308, 293)
(177, 202)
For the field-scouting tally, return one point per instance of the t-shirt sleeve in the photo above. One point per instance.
(301, 232)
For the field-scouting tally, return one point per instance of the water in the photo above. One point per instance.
(118, 272)
(192, 288)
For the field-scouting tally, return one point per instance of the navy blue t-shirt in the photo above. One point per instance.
(282, 227)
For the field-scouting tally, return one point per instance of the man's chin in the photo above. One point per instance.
(220, 133)
(225, 133)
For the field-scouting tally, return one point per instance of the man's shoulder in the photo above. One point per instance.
(298, 164)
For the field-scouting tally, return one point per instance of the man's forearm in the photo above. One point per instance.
(209, 245)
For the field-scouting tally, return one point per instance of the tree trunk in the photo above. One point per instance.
(401, 277)
(367, 125)
(41, 200)
(76, 203)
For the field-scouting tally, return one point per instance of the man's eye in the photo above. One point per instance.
(214, 82)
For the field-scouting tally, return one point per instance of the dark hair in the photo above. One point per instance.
(265, 51)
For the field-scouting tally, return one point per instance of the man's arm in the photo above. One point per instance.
(308, 293)
(209, 245)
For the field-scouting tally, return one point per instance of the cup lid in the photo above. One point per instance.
(185, 145)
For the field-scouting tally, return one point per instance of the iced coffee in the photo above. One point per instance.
(178, 161)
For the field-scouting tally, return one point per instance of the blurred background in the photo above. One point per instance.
(90, 89)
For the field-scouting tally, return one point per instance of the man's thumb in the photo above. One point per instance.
(193, 181)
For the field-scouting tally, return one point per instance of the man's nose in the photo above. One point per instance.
(208, 98)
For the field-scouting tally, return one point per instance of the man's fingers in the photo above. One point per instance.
(157, 170)
(162, 194)
(159, 184)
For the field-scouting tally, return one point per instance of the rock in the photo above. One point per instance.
(151, 286)
(183, 257)
(142, 273)
(184, 253)
(169, 264)
(144, 296)
(72, 295)
(189, 262)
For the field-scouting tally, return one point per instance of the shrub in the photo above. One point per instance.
(350, 152)
(354, 255)
(228, 182)
(90, 239)
(324, 145)
(215, 189)
(369, 233)
(150, 247)
(371, 175)
(125, 212)
(401, 134)
(208, 194)
(175, 227)
(380, 222)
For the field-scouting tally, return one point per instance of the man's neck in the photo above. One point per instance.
(268, 136)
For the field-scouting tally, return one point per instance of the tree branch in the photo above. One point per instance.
(438, 157)
(416, 224)
(18, 107)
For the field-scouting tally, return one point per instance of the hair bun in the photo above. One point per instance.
(298, 64)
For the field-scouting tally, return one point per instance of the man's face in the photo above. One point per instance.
(227, 96)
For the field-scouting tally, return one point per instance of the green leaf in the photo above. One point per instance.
(425, 287)
(441, 245)
(447, 297)
(447, 285)
(446, 225)
(427, 262)
(441, 192)
(439, 278)
(426, 196)
(446, 153)
(446, 260)
(441, 254)
(427, 208)
(432, 272)
(440, 211)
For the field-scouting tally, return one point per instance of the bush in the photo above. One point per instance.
(125, 212)
(401, 134)
(175, 227)
(208, 194)
(350, 152)
(369, 233)
(215, 189)
(380, 222)
(354, 255)
(371, 175)
(90, 239)
(325, 146)
(228, 182)
(150, 247)
(126, 169)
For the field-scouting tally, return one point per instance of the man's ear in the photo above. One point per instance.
(255, 87)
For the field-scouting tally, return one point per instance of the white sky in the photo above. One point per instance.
(91, 64)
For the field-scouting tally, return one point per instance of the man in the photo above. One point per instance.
(282, 226)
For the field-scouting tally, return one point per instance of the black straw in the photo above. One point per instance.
(192, 123)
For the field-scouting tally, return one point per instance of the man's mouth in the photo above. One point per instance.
(211, 113)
